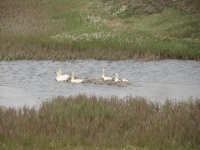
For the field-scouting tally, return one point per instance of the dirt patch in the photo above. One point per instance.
(114, 23)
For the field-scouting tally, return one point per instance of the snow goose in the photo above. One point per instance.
(75, 80)
(125, 81)
(117, 79)
(61, 77)
(105, 78)
(120, 83)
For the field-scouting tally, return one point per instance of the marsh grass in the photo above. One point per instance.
(107, 30)
(101, 123)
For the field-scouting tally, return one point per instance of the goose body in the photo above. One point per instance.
(125, 81)
(121, 83)
(117, 78)
(87, 79)
(61, 77)
(110, 82)
(104, 77)
(73, 80)
(98, 81)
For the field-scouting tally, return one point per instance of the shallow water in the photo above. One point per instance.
(31, 82)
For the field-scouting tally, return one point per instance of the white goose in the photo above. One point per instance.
(61, 77)
(75, 80)
(117, 79)
(121, 83)
(105, 78)
(125, 81)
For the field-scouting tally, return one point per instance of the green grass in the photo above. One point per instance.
(105, 30)
(83, 122)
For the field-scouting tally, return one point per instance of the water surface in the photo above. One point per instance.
(31, 82)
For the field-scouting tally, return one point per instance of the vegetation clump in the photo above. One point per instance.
(101, 123)
(157, 6)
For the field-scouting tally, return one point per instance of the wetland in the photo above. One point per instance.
(155, 44)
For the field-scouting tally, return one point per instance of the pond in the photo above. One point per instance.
(31, 82)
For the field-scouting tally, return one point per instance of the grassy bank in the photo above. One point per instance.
(100, 29)
(102, 123)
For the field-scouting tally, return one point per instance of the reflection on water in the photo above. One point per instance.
(30, 82)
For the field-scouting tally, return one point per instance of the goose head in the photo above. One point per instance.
(115, 74)
(72, 74)
(58, 72)
(100, 81)
(94, 79)
(116, 77)
(120, 80)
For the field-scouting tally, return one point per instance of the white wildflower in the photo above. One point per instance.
(122, 9)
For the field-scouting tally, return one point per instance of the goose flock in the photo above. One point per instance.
(104, 79)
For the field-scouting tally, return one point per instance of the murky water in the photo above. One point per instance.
(30, 82)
